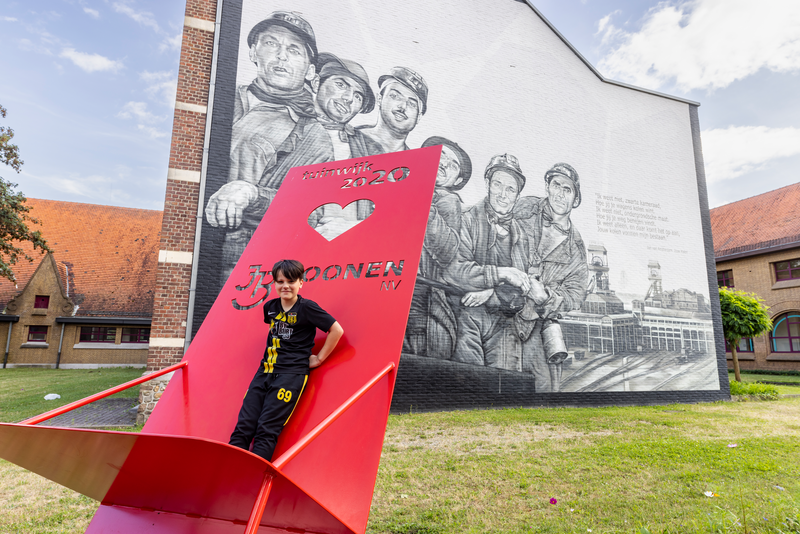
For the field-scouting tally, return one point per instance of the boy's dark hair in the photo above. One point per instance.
(292, 269)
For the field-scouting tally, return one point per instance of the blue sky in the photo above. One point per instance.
(90, 85)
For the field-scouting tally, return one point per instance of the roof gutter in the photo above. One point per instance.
(757, 251)
(138, 321)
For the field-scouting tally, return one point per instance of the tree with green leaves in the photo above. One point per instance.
(14, 218)
(743, 315)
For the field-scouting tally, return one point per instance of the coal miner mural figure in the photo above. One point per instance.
(343, 92)
(432, 329)
(519, 263)
(558, 270)
(402, 102)
(492, 267)
(504, 281)
(275, 128)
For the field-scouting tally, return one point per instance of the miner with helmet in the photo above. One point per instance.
(492, 266)
(558, 267)
(431, 328)
(343, 92)
(402, 101)
(270, 113)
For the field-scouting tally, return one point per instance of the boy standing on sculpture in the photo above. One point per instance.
(281, 378)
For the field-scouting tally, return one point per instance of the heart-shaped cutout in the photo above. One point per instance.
(332, 220)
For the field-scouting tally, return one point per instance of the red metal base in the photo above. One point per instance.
(178, 475)
(196, 480)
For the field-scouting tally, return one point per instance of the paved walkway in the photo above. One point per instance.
(99, 414)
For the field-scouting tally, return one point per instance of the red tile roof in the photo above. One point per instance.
(759, 222)
(106, 256)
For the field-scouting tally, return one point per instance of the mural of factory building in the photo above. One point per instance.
(662, 341)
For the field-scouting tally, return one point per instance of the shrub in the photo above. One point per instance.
(754, 389)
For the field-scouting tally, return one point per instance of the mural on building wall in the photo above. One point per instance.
(559, 201)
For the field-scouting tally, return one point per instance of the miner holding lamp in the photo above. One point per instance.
(282, 374)
(558, 273)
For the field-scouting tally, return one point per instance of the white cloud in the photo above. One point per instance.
(171, 43)
(144, 118)
(607, 30)
(26, 45)
(97, 188)
(91, 62)
(45, 36)
(78, 185)
(91, 12)
(737, 150)
(145, 18)
(704, 44)
(138, 111)
(8, 19)
(152, 132)
(161, 86)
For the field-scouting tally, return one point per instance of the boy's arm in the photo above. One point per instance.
(334, 335)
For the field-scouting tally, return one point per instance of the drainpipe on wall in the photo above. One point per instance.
(203, 172)
(60, 341)
(8, 344)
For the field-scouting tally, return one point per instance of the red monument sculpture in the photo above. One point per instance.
(179, 475)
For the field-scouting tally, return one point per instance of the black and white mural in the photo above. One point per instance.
(565, 237)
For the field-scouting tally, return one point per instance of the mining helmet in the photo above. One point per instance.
(508, 163)
(562, 169)
(410, 79)
(463, 160)
(292, 22)
(330, 65)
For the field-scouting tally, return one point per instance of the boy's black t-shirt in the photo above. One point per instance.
(291, 334)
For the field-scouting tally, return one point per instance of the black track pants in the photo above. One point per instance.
(267, 406)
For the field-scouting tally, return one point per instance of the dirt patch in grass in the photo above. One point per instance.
(483, 439)
(758, 419)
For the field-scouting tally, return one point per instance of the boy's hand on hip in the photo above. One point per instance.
(314, 361)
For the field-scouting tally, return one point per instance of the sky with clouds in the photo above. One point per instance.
(90, 86)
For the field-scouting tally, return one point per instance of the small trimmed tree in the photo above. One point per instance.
(743, 315)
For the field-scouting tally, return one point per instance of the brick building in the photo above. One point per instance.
(89, 303)
(757, 249)
(174, 284)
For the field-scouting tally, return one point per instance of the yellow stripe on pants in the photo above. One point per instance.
(298, 399)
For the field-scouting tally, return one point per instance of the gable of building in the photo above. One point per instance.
(105, 257)
(44, 291)
(757, 224)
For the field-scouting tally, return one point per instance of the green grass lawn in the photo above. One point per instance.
(611, 470)
(628, 469)
(755, 376)
(22, 391)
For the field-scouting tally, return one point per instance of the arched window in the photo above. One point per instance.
(785, 336)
